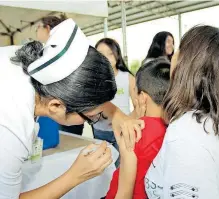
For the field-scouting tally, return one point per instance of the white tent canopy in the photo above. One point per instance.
(89, 14)
(16, 16)
(93, 8)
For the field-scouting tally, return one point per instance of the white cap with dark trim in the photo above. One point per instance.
(63, 53)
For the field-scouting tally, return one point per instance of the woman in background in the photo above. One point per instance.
(162, 45)
(125, 82)
(46, 25)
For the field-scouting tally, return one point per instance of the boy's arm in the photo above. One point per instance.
(127, 174)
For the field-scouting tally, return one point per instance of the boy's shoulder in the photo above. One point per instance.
(154, 123)
(155, 128)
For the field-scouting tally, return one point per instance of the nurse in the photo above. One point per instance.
(68, 81)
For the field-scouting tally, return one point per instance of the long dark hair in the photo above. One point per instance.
(158, 45)
(195, 80)
(89, 86)
(115, 48)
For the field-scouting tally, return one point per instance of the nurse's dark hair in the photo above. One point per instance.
(195, 79)
(153, 78)
(89, 86)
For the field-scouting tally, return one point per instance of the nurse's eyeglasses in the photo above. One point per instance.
(91, 120)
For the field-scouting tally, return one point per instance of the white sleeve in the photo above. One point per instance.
(189, 172)
(12, 154)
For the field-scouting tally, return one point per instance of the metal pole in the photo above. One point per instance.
(105, 27)
(180, 26)
(125, 54)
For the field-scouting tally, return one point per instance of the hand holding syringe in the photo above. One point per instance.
(93, 149)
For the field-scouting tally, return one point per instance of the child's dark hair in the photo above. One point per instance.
(153, 78)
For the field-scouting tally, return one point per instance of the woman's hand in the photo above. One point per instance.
(140, 108)
(89, 165)
(122, 124)
(85, 167)
(129, 128)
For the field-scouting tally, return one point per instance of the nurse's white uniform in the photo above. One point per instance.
(16, 123)
(17, 98)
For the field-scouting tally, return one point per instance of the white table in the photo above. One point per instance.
(55, 163)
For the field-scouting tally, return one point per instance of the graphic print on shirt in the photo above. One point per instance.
(177, 191)
(154, 191)
(182, 190)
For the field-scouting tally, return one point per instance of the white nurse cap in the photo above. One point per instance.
(63, 53)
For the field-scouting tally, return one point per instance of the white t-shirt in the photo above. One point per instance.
(187, 166)
(17, 101)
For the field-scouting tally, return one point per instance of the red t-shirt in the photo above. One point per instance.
(146, 150)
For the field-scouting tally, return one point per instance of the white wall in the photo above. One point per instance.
(20, 38)
(208, 16)
(139, 37)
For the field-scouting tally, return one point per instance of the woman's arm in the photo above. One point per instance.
(84, 168)
(121, 123)
(55, 189)
(12, 154)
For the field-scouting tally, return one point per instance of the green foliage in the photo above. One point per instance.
(134, 66)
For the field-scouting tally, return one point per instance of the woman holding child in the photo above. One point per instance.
(187, 165)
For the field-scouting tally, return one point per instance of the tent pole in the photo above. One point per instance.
(180, 26)
(105, 27)
(12, 39)
(124, 32)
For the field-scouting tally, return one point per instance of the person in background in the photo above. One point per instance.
(43, 33)
(187, 165)
(162, 45)
(152, 82)
(125, 82)
(45, 25)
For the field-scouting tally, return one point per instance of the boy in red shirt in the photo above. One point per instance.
(152, 82)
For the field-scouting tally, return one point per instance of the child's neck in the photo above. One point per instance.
(154, 110)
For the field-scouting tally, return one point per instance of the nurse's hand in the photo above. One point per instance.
(89, 165)
(85, 167)
(129, 128)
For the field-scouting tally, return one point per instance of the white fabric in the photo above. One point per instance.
(17, 99)
(55, 165)
(121, 100)
(12, 155)
(66, 63)
(89, 8)
(187, 165)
